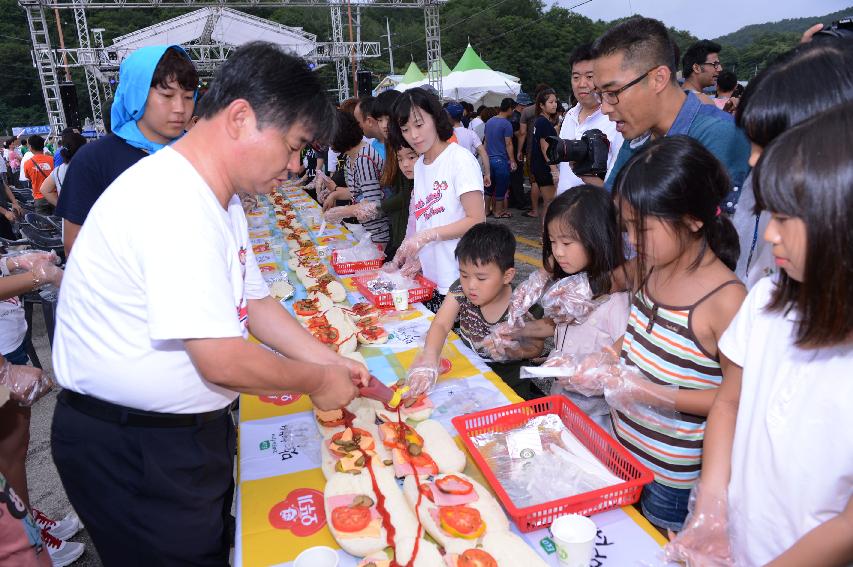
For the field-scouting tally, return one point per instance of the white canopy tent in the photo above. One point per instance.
(475, 82)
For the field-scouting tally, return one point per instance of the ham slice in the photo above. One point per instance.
(443, 499)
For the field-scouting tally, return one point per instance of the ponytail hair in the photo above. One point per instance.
(674, 179)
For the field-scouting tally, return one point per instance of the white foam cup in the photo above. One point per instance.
(318, 556)
(401, 299)
(574, 538)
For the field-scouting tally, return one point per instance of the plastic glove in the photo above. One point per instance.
(570, 299)
(704, 541)
(26, 384)
(16, 263)
(422, 375)
(412, 245)
(628, 391)
(525, 296)
(336, 214)
(590, 371)
(411, 267)
(498, 346)
(47, 273)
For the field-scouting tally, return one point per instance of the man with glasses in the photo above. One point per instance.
(700, 67)
(634, 73)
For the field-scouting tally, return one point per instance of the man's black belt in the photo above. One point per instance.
(114, 413)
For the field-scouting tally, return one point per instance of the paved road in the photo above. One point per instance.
(46, 492)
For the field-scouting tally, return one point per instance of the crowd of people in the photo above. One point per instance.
(696, 293)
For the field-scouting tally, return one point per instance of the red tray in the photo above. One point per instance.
(385, 300)
(343, 268)
(591, 435)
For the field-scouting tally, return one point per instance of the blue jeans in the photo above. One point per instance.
(500, 178)
(19, 355)
(665, 507)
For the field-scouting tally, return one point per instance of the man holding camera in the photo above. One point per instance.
(634, 72)
(585, 115)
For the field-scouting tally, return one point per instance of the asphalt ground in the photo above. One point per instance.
(46, 491)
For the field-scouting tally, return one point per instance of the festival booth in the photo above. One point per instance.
(475, 82)
(295, 482)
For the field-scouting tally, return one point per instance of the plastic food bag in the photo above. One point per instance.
(26, 384)
(541, 461)
(363, 251)
(569, 299)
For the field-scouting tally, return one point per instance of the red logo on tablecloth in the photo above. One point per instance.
(302, 512)
(281, 400)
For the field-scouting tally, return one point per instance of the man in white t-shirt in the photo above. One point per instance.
(25, 156)
(150, 341)
(585, 115)
(469, 140)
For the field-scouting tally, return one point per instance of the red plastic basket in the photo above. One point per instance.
(385, 300)
(343, 268)
(605, 448)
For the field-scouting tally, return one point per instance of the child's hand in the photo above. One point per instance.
(526, 295)
(336, 214)
(26, 384)
(570, 299)
(422, 375)
(704, 541)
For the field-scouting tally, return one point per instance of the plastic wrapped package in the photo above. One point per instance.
(363, 251)
(26, 384)
(705, 539)
(569, 300)
(19, 261)
(543, 448)
(386, 282)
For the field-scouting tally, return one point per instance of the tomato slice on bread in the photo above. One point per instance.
(476, 558)
(461, 521)
(452, 484)
(349, 519)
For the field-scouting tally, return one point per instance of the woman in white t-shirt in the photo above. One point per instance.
(447, 198)
(777, 473)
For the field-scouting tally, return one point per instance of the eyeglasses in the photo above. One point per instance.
(612, 97)
(716, 64)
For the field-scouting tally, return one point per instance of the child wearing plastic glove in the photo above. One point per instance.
(447, 198)
(477, 302)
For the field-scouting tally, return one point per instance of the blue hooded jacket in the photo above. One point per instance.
(135, 76)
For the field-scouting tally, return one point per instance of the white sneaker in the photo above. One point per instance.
(62, 529)
(61, 552)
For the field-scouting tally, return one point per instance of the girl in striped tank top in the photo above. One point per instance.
(668, 198)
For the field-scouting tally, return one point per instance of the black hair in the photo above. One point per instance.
(348, 134)
(383, 103)
(507, 104)
(412, 102)
(467, 106)
(807, 173)
(644, 42)
(279, 87)
(175, 66)
(481, 108)
(542, 98)
(487, 243)
(582, 52)
(587, 213)
(674, 178)
(696, 54)
(71, 142)
(36, 143)
(823, 74)
(726, 81)
(365, 104)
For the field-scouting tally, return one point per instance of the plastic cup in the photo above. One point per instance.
(318, 556)
(401, 299)
(574, 537)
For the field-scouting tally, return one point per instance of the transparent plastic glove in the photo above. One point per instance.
(412, 245)
(570, 299)
(590, 371)
(47, 273)
(526, 295)
(23, 262)
(26, 384)
(422, 375)
(411, 267)
(336, 214)
(499, 346)
(704, 541)
(628, 391)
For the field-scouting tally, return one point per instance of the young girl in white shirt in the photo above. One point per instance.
(447, 198)
(777, 482)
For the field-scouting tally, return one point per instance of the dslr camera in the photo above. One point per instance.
(588, 155)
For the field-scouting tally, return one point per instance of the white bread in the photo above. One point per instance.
(509, 550)
(490, 511)
(440, 446)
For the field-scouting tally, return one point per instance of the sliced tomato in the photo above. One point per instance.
(423, 463)
(326, 335)
(318, 321)
(367, 321)
(452, 484)
(373, 332)
(461, 521)
(317, 270)
(426, 491)
(476, 558)
(306, 307)
(363, 309)
(350, 520)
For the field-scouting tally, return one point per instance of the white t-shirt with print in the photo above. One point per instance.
(572, 129)
(435, 203)
(13, 324)
(792, 459)
(158, 260)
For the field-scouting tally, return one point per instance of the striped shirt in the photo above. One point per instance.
(362, 176)
(660, 342)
